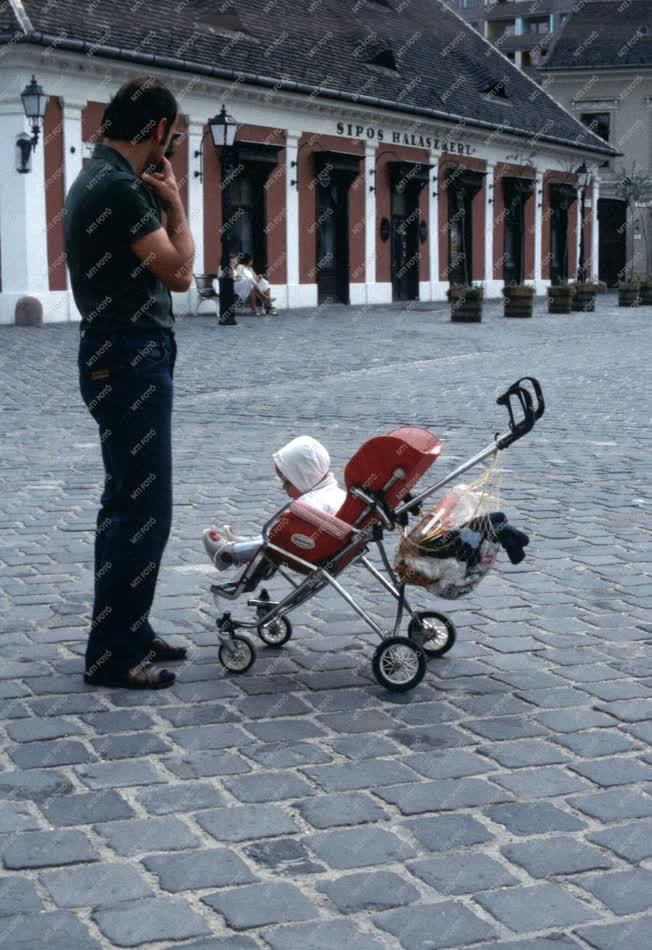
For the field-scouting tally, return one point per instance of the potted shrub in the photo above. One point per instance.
(560, 298)
(466, 303)
(519, 300)
(646, 290)
(584, 295)
(629, 292)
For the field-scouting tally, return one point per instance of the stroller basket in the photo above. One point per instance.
(310, 548)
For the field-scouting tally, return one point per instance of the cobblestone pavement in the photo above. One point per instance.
(506, 802)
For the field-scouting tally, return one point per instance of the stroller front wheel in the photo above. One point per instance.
(236, 655)
(399, 664)
(276, 632)
(433, 632)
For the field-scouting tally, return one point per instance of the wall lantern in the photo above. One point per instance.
(34, 104)
(384, 229)
(423, 232)
(223, 129)
(583, 176)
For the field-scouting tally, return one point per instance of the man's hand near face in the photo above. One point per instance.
(168, 252)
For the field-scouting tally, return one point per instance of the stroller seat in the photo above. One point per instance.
(386, 467)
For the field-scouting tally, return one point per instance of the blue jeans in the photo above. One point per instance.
(126, 383)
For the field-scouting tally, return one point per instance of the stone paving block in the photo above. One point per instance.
(505, 727)
(533, 818)
(445, 924)
(370, 746)
(358, 847)
(165, 918)
(284, 856)
(237, 942)
(545, 782)
(33, 785)
(268, 787)
(17, 896)
(422, 738)
(329, 811)
(616, 770)
(631, 841)
(616, 804)
(271, 706)
(554, 941)
(573, 720)
(623, 892)
(280, 755)
(182, 797)
(371, 890)
(118, 774)
(363, 721)
(206, 764)
(322, 935)
(57, 930)
(452, 763)
(628, 710)
(596, 743)
(138, 835)
(36, 755)
(447, 832)
(86, 808)
(622, 935)
(97, 885)
(544, 858)
(210, 867)
(259, 904)
(522, 753)
(425, 714)
(367, 773)
(42, 849)
(32, 729)
(246, 822)
(221, 736)
(536, 907)
(72, 705)
(203, 715)
(445, 795)
(16, 816)
(504, 704)
(463, 873)
(126, 746)
(285, 730)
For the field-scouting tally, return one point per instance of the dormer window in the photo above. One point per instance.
(496, 89)
(384, 58)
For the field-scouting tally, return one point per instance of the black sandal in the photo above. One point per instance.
(161, 650)
(140, 677)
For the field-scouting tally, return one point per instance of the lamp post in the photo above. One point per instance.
(583, 176)
(223, 128)
(34, 104)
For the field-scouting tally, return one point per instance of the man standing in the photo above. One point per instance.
(123, 263)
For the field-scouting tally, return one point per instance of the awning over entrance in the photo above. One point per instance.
(258, 158)
(467, 179)
(342, 167)
(404, 175)
(562, 195)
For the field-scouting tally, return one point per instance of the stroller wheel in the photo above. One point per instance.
(237, 655)
(399, 664)
(433, 632)
(276, 632)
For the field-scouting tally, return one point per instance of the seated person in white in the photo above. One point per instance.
(303, 466)
(251, 286)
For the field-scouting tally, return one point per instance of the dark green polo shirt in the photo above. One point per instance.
(108, 208)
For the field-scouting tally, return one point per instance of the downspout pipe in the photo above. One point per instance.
(290, 85)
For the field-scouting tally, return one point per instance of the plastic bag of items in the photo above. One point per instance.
(456, 544)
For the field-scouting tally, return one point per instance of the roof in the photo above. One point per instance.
(443, 66)
(604, 34)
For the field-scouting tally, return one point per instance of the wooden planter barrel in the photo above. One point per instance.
(646, 296)
(629, 297)
(584, 300)
(466, 306)
(560, 299)
(519, 301)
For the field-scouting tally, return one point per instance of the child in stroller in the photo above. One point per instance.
(303, 466)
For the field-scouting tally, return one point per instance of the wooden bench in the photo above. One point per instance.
(205, 289)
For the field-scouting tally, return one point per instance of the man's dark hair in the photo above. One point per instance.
(247, 258)
(136, 108)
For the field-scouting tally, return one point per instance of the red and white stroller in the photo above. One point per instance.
(318, 547)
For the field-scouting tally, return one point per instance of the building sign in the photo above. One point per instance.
(413, 139)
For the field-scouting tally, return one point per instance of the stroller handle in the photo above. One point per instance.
(519, 395)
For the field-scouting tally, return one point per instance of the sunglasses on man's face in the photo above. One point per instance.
(174, 141)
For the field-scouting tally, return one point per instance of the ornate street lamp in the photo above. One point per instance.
(34, 103)
(583, 176)
(223, 129)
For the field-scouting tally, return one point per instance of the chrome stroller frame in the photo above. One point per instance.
(399, 663)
